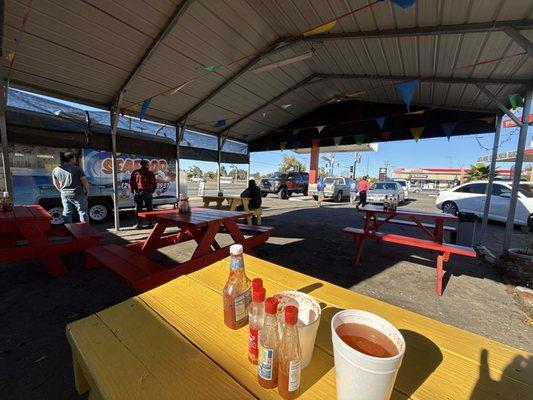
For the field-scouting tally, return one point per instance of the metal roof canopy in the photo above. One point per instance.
(116, 53)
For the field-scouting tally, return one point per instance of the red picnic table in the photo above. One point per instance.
(376, 217)
(26, 233)
(132, 263)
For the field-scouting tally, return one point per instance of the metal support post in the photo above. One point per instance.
(6, 166)
(221, 141)
(180, 131)
(517, 171)
(492, 175)
(114, 126)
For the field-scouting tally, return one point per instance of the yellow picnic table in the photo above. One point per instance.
(171, 342)
(232, 202)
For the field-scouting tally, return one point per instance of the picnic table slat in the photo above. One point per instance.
(39, 213)
(23, 214)
(134, 354)
(461, 350)
(409, 212)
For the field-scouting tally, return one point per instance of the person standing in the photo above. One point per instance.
(72, 183)
(320, 188)
(362, 186)
(353, 191)
(143, 185)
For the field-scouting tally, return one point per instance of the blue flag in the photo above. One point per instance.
(296, 145)
(448, 128)
(406, 90)
(219, 123)
(404, 3)
(381, 122)
(144, 107)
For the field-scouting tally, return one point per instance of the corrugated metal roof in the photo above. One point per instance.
(86, 50)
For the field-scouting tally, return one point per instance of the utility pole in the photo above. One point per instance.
(356, 160)
(367, 162)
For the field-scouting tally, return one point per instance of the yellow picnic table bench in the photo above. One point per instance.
(232, 202)
(171, 342)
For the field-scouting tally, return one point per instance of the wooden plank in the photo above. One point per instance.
(7, 216)
(39, 212)
(429, 371)
(83, 231)
(120, 267)
(406, 212)
(127, 351)
(23, 214)
(428, 244)
(147, 265)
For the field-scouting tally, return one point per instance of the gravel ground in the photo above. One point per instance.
(35, 357)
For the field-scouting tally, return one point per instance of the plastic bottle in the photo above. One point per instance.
(255, 320)
(290, 357)
(267, 365)
(237, 292)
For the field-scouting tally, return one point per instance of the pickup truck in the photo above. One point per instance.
(334, 188)
(285, 184)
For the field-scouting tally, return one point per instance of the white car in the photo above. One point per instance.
(470, 197)
(380, 190)
(406, 186)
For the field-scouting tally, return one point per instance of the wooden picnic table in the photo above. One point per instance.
(31, 226)
(232, 202)
(171, 342)
(132, 262)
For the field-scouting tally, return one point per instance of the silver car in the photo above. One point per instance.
(379, 190)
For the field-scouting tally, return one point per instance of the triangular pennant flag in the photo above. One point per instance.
(295, 131)
(337, 140)
(406, 90)
(417, 132)
(404, 3)
(173, 91)
(448, 128)
(355, 94)
(296, 145)
(319, 128)
(385, 135)
(264, 114)
(416, 112)
(209, 68)
(144, 107)
(10, 56)
(516, 100)
(282, 145)
(488, 120)
(381, 122)
(321, 28)
(219, 123)
(286, 106)
(359, 139)
(134, 107)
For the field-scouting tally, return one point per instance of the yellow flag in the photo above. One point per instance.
(354, 94)
(488, 120)
(134, 107)
(10, 56)
(282, 145)
(415, 112)
(417, 132)
(321, 29)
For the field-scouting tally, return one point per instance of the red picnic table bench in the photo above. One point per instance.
(26, 233)
(434, 231)
(132, 263)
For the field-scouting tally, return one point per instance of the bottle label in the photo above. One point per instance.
(253, 339)
(294, 375)
(236, 263)
(264, 364)
(241, 304)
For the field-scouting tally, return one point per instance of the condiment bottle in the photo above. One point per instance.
(237, 291)
(267, 364)
(290, 356)
(255, 320)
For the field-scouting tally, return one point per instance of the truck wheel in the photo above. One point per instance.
(338, 199)
(264, 194)
(56, 212)
(305, 191)
(99, 211)
(282, 194)
(315, 197)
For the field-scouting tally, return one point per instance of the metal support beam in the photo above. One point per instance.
(248, 66)
(180, 131)
(434, 79)
(172, 22)
(492, 175)
(517, 171)
(520, 39)
(499, 104)
(115, 116)
(221, 141)
(6, 165)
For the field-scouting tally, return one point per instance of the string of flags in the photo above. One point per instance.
(10, 56)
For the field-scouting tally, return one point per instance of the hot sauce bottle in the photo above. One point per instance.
(255, 320)
(237, 292)
(267, 363)
(290, 356)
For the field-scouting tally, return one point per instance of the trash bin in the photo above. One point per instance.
(466, 228)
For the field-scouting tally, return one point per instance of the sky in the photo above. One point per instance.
(459, 151)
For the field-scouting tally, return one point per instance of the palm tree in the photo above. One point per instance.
(478, 172)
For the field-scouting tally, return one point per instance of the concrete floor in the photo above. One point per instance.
(35, 356)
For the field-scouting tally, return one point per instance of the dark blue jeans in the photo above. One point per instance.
(143, 199)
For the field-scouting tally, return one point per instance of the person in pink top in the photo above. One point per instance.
(362, 187)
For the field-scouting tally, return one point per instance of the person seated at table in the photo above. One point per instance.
(254, 194)
(143, 185)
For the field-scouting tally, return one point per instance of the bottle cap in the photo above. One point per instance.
(271, 305)
(256, 283)
(258, 294)
(235, 249)
(291, 315)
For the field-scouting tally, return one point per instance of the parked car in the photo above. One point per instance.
(406, 186)
(334, 188)
(379, 190)
(470, 197)
(285, 184)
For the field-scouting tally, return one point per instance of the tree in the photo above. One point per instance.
(291, 163)
(210, 175)
(322, 172)
(256, 175)
(194, 172)
(223, 171)
(478, 172)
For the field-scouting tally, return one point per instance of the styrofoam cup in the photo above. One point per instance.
(360, 376)
(308, 320)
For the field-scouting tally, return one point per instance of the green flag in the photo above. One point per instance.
(209, 68)
(516, 100)
(359, 139)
